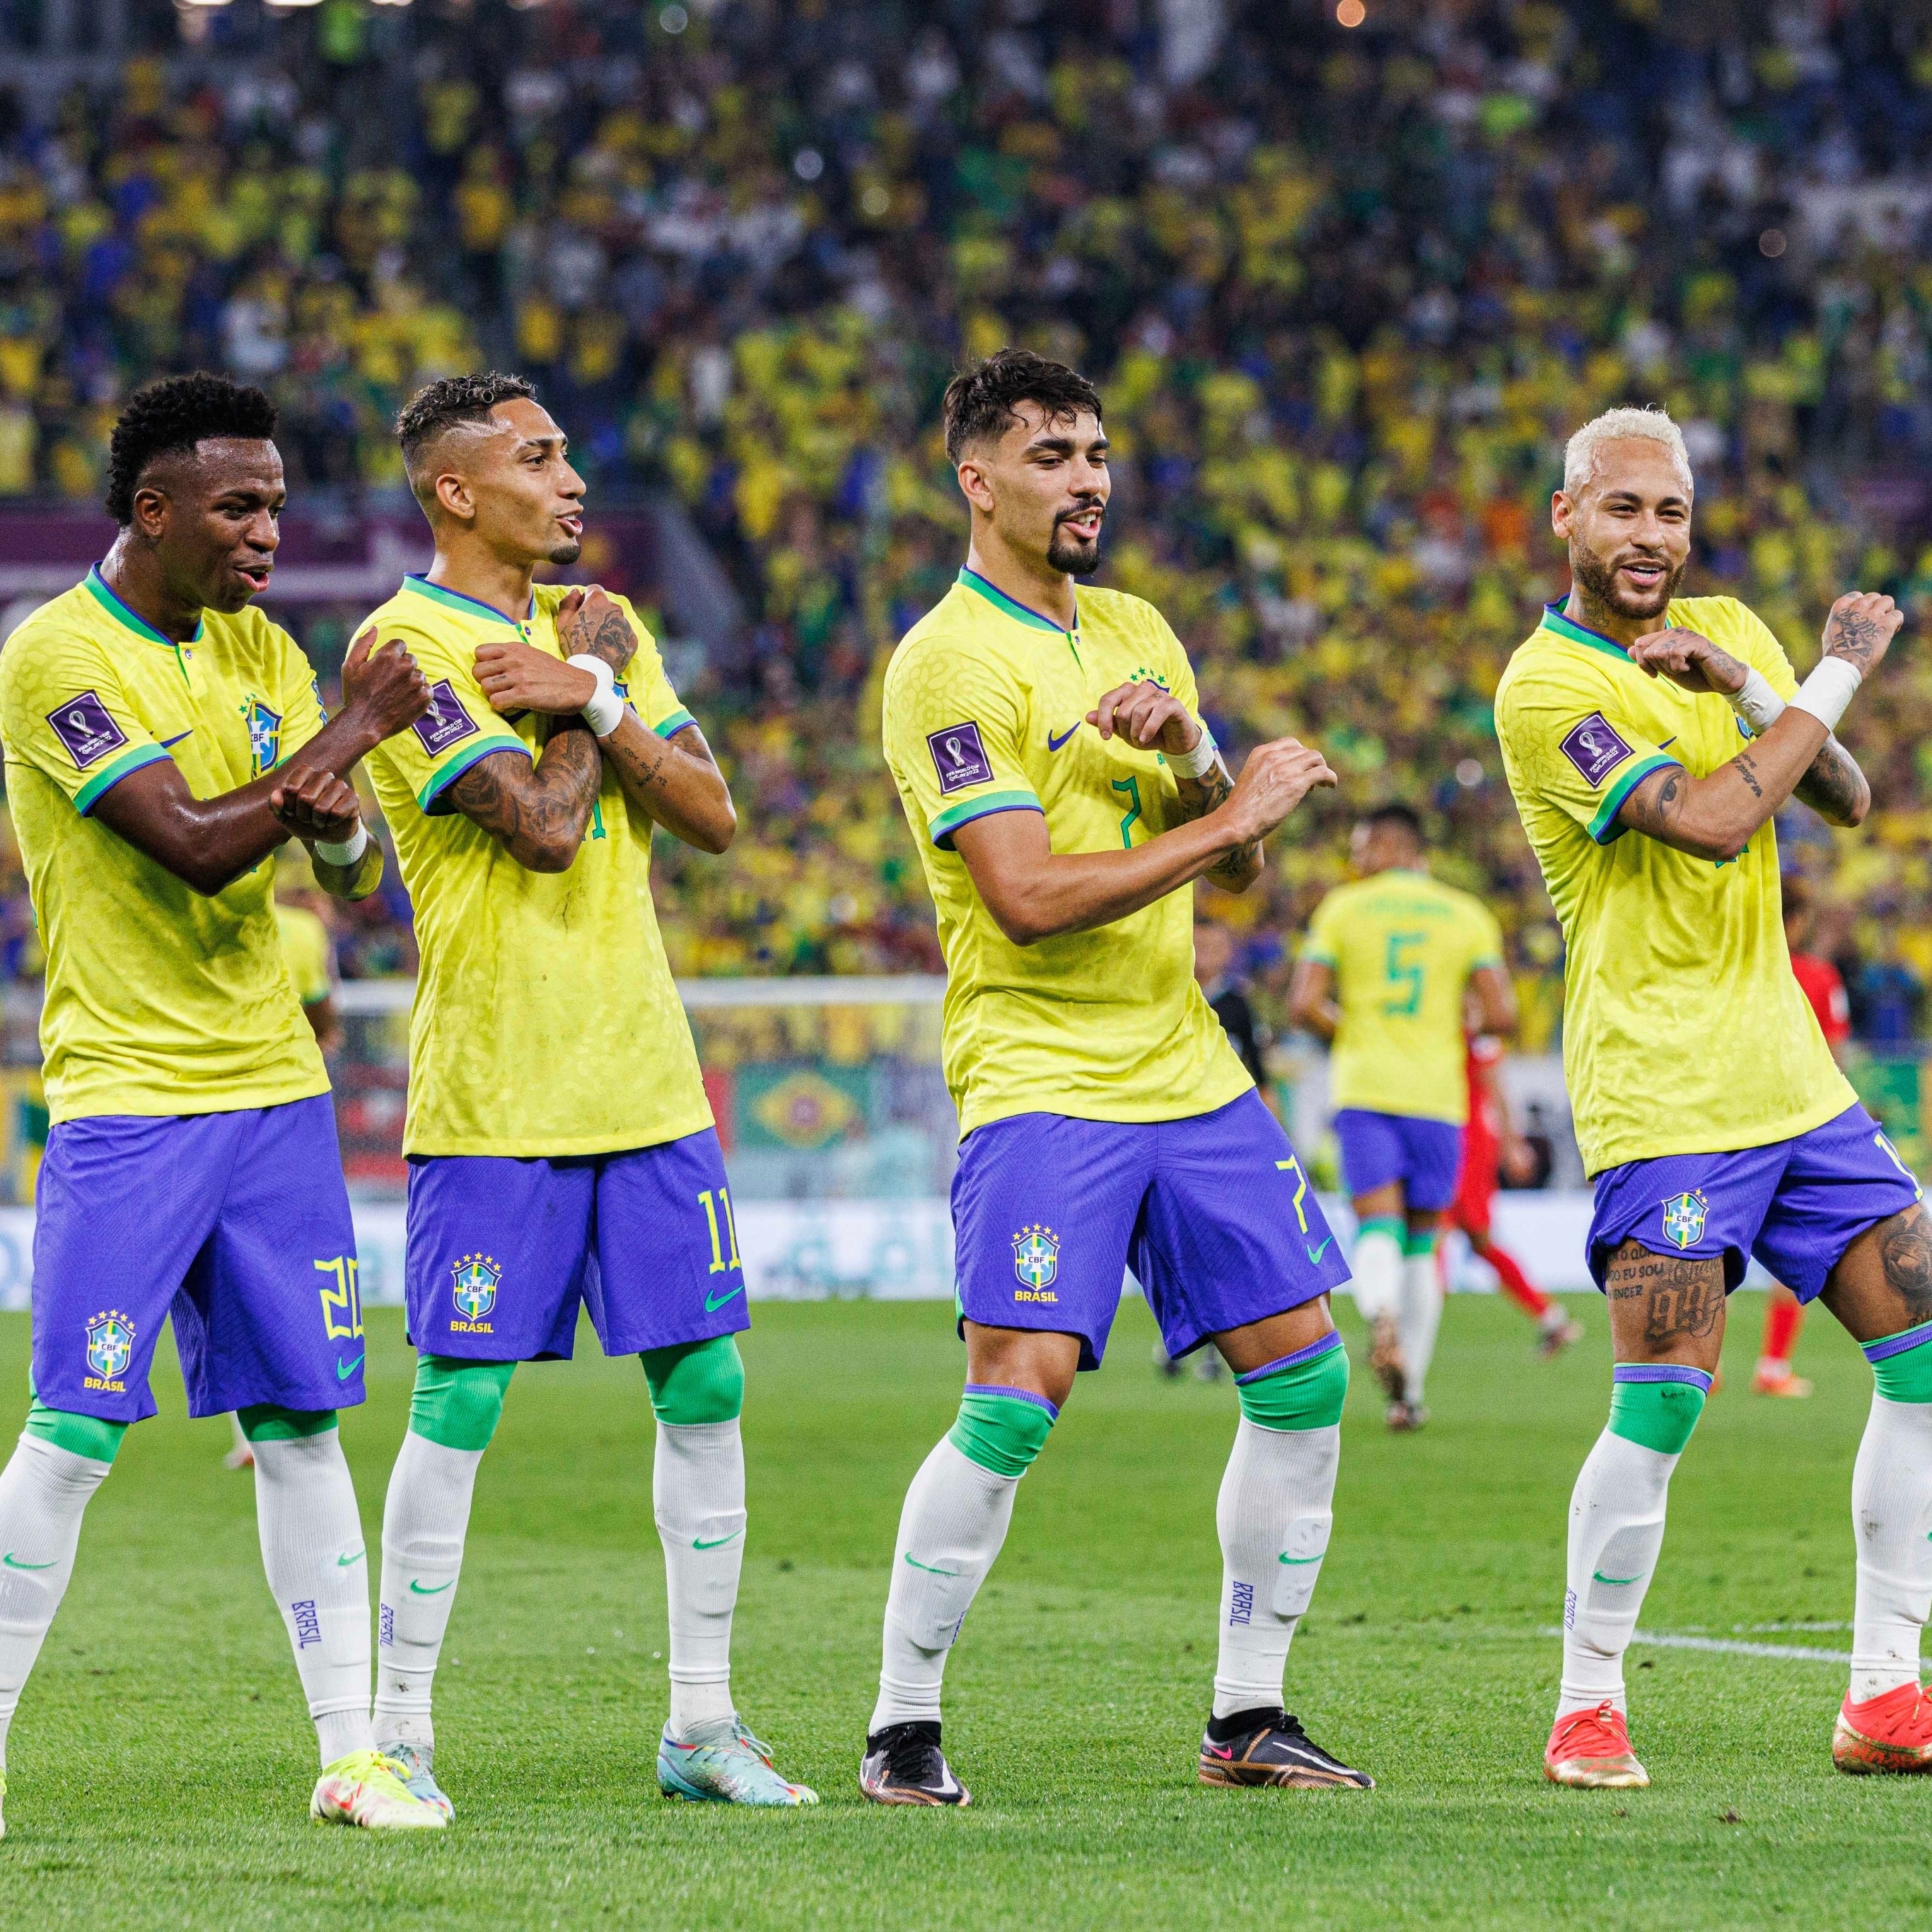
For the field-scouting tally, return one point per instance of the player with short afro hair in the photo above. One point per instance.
(175, 414)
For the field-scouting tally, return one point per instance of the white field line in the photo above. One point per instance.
(1801, 1653)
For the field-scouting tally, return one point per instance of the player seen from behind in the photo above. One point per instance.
(1063, 793)
(1649, 740)
(561, 1152)
(163, 740)
(1391, 959)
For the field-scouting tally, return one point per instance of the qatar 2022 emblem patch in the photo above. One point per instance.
(474, 1283)
(110, 1348)
(1683, 1218)
(264, 736)
(1036, 1263)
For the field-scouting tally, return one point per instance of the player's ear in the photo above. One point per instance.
(1561, 510)
(973, 482)
(453, 496)
(150, 511)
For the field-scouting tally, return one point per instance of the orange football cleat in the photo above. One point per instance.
(1590, 1749)
(1776, 1378)
(1890, 1733)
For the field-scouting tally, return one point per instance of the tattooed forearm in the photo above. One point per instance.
(1655, 807)
(598, 629)
(1741, 764)
(1683, 1295)
(1207, 793)
(539, 812)
(1834, 788)
(1856, 637)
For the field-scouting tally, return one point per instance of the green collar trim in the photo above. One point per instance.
(97, 588)
(1553, 620)
(1018, 612)
(470, 607)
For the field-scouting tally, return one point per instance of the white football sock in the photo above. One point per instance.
(425, 1517)
(954, 1522)
(1616, 1529)
(43, 1492)
(1419, 1316)
(697, 1495)
(312, 1548)
(1376, 1265)
(1274, 1515)
(1891, 1515)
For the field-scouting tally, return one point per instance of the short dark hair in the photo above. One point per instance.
(455, 399)
(979, 402)
(1396, 813)
(175, 413)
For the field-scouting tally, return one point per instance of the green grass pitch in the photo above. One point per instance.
(160, 1763)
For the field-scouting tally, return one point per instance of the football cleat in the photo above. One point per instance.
(1889, 1733)
(366, 1788)
(722, 1763)
(1270, 1747)
(1778, 1380)
(1385, 1361)
(1406, 1417)
(903, 1765)
(413, 1763)
(1558, 1337)
(1590, 1749)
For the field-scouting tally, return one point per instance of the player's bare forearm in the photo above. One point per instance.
(1208, 793)
(1311, 1003)
(350, 882)
(1715, 818)
(538, 811)
(674, 781)
(1834, 788)
(1495, 1000)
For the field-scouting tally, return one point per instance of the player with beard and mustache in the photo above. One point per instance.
(1708, 1108)
(1064, 793)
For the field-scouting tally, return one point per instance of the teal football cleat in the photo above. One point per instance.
(419, 1779)
(723, 1763)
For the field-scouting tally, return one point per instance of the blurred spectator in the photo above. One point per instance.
(1214, 967)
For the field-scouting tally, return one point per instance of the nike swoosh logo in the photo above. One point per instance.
(1598, 1576)
(1315, 1254)
(931, 1569)
(13, 1563)
(1316, 1558)
(350, 1562)
(716, 1543)
(166, 742)
(1666, 745)
(1054, 744)
(713, 1303)
(343, 1370)
(417, 1590)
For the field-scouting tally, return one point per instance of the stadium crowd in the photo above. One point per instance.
(1346, 290)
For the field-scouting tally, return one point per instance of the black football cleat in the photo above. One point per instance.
(1254, 1747)
(903, 1765)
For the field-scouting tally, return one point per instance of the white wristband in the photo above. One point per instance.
(1827, 692)
(1757, 704)
(1198, 763)
(605, 711)
(347, 853)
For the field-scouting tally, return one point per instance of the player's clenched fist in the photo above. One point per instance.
(517, 677)
(1860, 628)
(1146, 716)
(1276, 778)
(384, 682)
(1689, 659)
(314, 804)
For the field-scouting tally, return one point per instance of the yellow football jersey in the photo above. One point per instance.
(158, 1001)
(1684, 1031)
(985, 707)
(1402, 947)
(307, 952)
(546, 1019)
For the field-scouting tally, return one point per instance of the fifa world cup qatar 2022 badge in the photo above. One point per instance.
(1037, 1262)
(110, 1348)
(474, 1281)
(958, 757)
(1684, 1219)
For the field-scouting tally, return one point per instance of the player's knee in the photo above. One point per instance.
(1002, 1430)
(458, 1404)
(696, 1382)
(1656, 1404)
(269, 1422)
(1296, 1396)
(1903, 1373)
(89, 1436)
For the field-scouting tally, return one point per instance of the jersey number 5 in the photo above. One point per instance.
(1404, 973)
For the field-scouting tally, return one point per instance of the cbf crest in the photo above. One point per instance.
(1036, 1263)
(264, 736)
(476, 1279)
(110, 1348)
(1684, 1219)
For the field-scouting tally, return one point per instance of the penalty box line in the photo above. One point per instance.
(1725, 1646)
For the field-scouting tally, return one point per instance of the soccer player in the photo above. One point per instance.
(1063, 792)
(1491, 1145)
(163, 740)
(1391, 958)
(562, 1153)
(1649, 740)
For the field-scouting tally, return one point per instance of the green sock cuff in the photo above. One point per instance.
(696, 1382)
(1658, 1415)
(269, 1422)
(1419, 1241)
(457, 1404)
(1901, 1365)
(88, 1436)
(1391, 1225)
(1300, 1395)
(1001, 1429)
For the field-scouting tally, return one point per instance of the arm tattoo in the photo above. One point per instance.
(1207, 793)
(1684, 1294)
(538, 810)
(612, 640)
(1655, 807)
(1833, 787)
(1741, 764)
(1852, 637)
